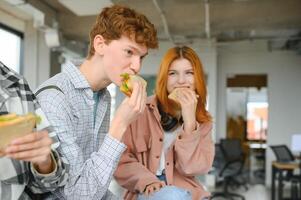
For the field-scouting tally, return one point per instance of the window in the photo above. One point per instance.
(10, 48)
(112, 89)
(257, 123)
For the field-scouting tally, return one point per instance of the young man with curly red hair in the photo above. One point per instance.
(77, 102)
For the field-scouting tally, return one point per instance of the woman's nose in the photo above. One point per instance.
(181, 78)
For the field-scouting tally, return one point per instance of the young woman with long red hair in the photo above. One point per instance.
(171, 142)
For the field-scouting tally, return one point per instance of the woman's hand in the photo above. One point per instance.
(154, 187)
(188, 100)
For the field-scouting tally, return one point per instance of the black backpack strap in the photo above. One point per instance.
(47, 88)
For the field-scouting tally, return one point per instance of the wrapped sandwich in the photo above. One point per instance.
(173, 96)
(13, 126)
(127, 83)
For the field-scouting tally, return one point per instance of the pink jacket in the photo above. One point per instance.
(191, 154)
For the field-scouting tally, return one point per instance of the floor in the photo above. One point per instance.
(255, 192)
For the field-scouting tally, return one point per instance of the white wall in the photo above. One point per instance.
(236, 101)
(36, 67)
(284, 88)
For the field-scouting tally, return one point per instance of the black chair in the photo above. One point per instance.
(228, 164)
(234, 155)
(283, 154)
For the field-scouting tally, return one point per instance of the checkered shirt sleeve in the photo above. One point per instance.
(20, 99)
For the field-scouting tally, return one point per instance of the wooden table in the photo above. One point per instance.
(280, 167)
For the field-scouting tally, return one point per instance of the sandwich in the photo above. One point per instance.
(13, 126)
(127, 83)
(173, 96)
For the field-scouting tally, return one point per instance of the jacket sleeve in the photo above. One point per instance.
(40, 183)
(131, 173)
(194, 152)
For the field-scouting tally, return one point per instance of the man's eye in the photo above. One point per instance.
(129, 52)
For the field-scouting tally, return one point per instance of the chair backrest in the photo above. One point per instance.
(232, 148)
(219, 158)
(232, 158)
(282, 153)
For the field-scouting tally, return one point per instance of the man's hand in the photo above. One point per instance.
(129, 110)
(188, 100)
(35, 148)
(154, 187)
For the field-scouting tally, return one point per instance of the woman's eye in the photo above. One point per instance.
(171, 73)
(190, 73)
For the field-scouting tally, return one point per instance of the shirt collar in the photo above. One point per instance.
(71, 69)
(152, 101)
(8, 77)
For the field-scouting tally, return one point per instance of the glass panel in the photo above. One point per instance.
(10, 49)
(112, 89)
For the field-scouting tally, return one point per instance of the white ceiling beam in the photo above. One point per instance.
(85, 8)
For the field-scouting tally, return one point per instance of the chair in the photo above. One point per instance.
(235, 158)
(283, 154)
(228, 163)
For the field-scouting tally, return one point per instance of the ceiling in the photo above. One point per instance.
(229, 19)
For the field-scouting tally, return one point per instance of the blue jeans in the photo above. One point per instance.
(167, 193)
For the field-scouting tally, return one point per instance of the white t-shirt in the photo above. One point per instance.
(169, 137)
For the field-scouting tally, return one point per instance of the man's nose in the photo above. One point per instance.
(136, 64)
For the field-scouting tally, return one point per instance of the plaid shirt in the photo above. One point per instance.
(16, 97)
(92, 153)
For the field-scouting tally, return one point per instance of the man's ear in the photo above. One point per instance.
(99, 44)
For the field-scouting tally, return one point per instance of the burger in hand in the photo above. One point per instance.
(13, 126)
(127, 83)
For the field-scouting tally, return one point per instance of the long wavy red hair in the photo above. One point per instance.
(202, 115)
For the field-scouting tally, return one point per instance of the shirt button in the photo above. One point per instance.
(161, 140)
(158, 157)
(167, 163)
(180, 137)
